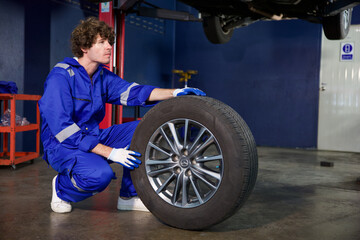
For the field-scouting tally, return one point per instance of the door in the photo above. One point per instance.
(339, 98)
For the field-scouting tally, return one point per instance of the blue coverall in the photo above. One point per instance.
(71, 108)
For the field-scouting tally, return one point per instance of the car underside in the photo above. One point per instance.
(303, 9)
(220, 18)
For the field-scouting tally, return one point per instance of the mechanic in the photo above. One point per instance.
(73, 105)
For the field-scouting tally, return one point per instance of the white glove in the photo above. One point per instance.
(125, 157)
(188, 91)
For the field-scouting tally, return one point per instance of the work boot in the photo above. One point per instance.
(132, 203)
(58, 205)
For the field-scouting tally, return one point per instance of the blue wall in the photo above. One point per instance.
(12, 28)
(149, 51)
(64, 18)
(268, 72)
(356, 15)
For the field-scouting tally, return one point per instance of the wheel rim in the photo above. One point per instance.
(346, 18)
(184, 163)
(222, 24)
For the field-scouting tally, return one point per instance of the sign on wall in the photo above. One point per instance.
(347, 51)
(105, 7)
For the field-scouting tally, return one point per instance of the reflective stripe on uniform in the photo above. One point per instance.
(66, 66)
(75, 185)
(62, 65)
(71, 72)
(125, 95)
(67, 132)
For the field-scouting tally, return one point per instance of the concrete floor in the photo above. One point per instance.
(294, 198)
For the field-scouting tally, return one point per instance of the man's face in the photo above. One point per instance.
(100, 51)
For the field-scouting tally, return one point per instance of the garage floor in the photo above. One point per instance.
(294, 198)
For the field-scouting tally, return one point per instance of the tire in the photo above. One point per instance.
(214, 31)
(337, 27)
(216, 161)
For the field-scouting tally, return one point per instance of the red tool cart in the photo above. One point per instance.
(12, 157)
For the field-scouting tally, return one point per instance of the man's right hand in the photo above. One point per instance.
(125, 157)
(188, 91)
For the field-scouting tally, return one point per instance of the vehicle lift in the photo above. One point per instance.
(115, 19)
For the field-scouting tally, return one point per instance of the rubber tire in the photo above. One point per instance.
(334, 26)
(239, 155)
(214, 32)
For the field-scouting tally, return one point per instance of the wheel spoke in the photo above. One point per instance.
(196, 191)
(208, 172)
(159, 149)
(175, 136)
(204, 180)
(160, 171)
(177, 188)
(184, 200)
(208, 159)
(186, 131)
(202, 147)
(201, 132)
(159, 162)
(165, 184)
(175, 150)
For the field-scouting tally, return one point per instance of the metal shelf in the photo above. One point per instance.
(10, 156)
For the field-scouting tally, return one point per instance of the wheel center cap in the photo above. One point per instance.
(184, 162)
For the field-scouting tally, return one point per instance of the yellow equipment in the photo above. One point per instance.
(185, 76)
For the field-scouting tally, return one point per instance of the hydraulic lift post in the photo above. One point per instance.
(115, 19)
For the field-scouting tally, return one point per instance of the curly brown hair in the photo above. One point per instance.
(85, 35)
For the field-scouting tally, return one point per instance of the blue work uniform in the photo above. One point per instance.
(71, 109)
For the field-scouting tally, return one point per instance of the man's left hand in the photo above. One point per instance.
(188, 91)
